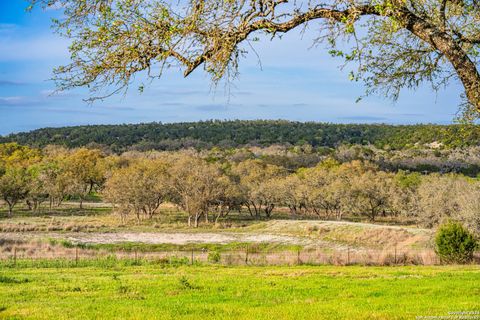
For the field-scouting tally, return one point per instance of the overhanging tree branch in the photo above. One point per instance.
(115, 39)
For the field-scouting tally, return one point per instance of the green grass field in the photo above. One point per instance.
(215, 292)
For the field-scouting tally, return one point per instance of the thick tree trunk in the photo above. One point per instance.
(443, 42)
(469, 76)
(293, 210)
(249, 209)
(465, 68)
(339, 215)
(138, 217)
(256, 210)
(268, 210)
(197, 218)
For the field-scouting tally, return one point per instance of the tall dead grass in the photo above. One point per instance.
(33, 250)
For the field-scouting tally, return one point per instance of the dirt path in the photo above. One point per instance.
(182, 238)
(178, 238)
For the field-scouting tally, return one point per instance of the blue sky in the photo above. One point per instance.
(294, 82)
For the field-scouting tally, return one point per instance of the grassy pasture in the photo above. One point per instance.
(119, 291)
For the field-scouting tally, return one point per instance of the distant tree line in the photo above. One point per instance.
(233, 134)
(210, 184)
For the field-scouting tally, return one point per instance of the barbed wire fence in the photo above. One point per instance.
(246, 256)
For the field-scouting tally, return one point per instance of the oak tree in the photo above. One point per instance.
(85, 172)
(197, 186)
(393, 44)
(139, 188)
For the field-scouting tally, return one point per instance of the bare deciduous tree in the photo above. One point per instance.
(198, 185)
(255, 178)
(449, 197)
(139, 188)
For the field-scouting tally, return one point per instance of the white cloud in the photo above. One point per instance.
(43, 47)
(7, 27)
(12, 101)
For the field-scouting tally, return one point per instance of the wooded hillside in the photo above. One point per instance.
(205, 134)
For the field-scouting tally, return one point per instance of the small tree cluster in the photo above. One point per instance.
(52, 175)
(208, 185)
(454, 244)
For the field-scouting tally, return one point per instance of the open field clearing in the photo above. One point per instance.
(194, 292)
(96, 225)
(304, 233)
(95, 233)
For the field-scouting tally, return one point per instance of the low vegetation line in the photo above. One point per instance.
(231, 256)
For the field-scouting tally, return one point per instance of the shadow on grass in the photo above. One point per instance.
(55, 212)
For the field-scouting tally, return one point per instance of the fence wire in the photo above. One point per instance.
(246, 256)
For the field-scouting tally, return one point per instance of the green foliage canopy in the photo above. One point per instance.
(454, 243)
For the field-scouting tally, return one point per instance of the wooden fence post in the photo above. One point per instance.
(76, 255)
(15, 256)
(191, 260)
(348, 256)
(246, 254)
(395, 257)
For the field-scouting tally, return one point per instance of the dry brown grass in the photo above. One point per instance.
(352, 234)
(36, 249)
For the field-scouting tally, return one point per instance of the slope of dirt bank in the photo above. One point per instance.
(355, 234)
